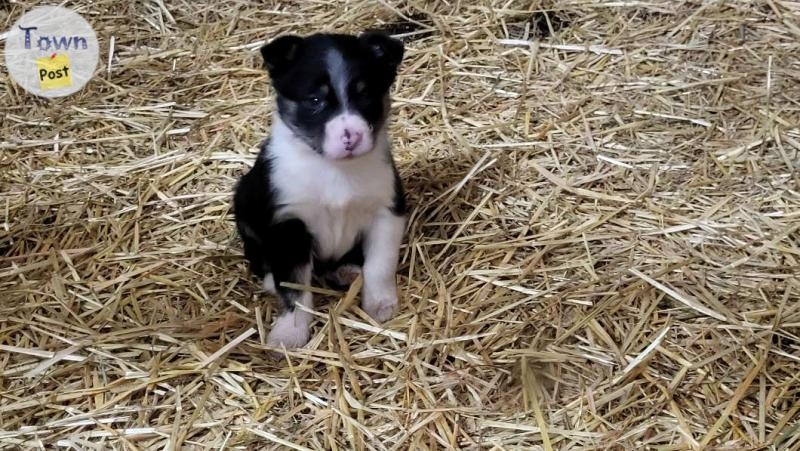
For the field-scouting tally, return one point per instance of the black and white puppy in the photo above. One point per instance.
(324, 195)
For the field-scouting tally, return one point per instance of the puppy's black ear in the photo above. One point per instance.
(385, 49)
(281, 53)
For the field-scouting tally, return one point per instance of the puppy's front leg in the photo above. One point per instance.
(290, 261)
(381, 252)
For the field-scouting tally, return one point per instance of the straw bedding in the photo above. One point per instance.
(603, 250)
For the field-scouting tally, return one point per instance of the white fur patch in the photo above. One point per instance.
(269, 284)
(337, 200)
(347, 135)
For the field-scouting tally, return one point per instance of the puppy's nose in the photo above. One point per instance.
(351, 138)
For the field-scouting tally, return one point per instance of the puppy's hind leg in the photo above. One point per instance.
(343, 276)
(253, 249)
(347, 269)
(256, 257)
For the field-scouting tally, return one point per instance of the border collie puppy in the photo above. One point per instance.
(324, 196)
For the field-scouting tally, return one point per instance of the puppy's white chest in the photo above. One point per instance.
(336, 206)
(337, 227)
(336, 216)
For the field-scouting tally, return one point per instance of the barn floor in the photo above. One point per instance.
(603, 249)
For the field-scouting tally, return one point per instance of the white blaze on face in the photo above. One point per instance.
(347, 135)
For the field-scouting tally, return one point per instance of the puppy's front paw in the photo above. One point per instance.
(380, 303)
(290, 331)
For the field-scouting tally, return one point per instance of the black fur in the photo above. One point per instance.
(253, 208)
(399, 202)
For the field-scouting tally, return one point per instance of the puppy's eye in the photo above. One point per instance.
(315, 102)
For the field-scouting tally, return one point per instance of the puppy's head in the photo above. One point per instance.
(332, 89)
